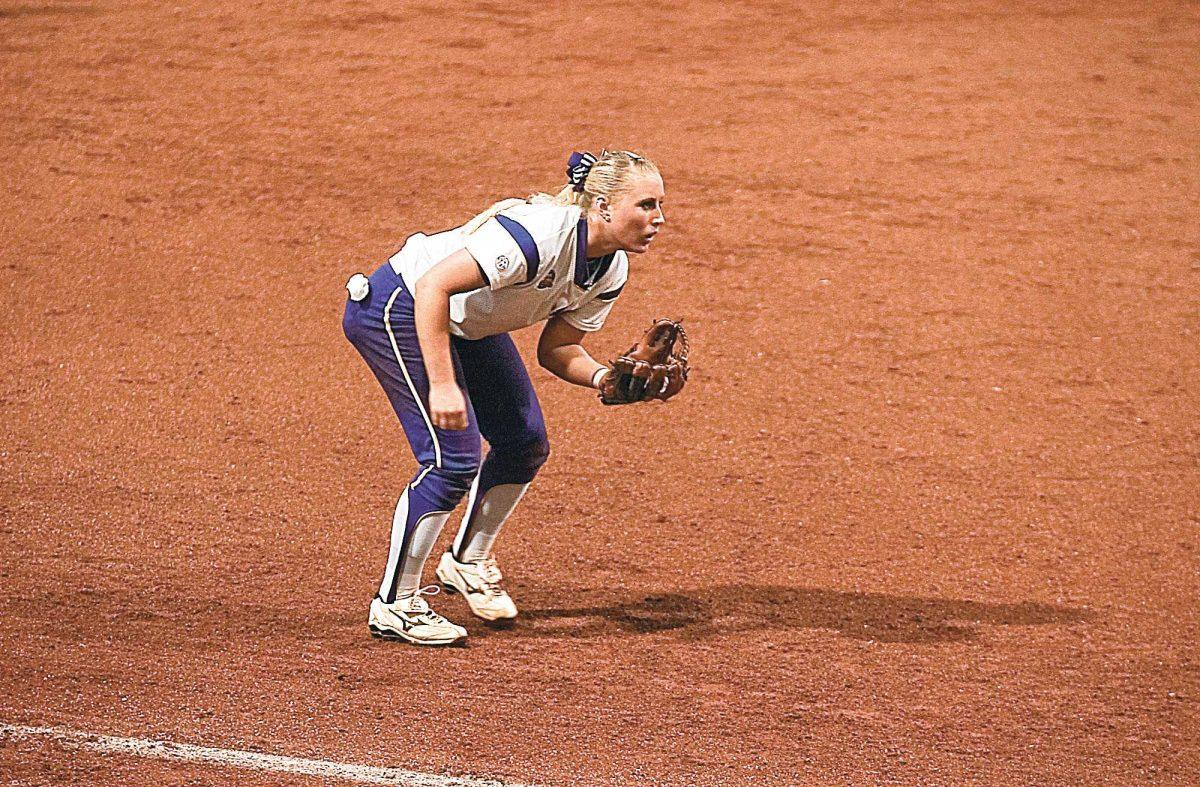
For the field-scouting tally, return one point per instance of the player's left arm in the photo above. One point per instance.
(560, 352)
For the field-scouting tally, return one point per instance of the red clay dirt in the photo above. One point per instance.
(927, 512)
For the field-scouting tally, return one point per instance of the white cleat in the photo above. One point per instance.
(411, 620)
(479, 583)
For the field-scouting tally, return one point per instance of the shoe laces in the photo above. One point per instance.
(489, 574)
(417, 607)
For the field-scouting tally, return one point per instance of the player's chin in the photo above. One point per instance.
(641, 246)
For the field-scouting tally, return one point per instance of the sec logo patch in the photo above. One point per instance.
(502, 263)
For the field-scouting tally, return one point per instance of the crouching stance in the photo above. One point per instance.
(432, 324)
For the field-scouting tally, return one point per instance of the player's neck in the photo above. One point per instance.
(599, 241)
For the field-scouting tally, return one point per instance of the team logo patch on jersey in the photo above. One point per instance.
(502, 263)
(547, 281)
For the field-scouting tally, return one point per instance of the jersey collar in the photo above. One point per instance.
(588, 272)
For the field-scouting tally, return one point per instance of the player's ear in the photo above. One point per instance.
(603, 208)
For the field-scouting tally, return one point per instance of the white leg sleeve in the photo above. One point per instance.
(409, 565)
(425, 533)
(485, 516)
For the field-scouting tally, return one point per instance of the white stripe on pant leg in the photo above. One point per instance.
(387, 323)
(420, 477)
(399, 518)
(234, 758)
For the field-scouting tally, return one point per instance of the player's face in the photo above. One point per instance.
(637, 215)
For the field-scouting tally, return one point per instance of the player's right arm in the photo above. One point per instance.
(457, 273)
(561, 352)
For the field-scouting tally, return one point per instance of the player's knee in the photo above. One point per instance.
(461, 461)
(518, 464)
(460, 470)
(458, 480)
(537, 452)
(444, 487)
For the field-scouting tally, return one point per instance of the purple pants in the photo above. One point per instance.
(501, 403)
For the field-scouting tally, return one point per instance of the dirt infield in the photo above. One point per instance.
(927, 512)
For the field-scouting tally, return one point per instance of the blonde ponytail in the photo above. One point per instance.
(611, 176)
(496, 207)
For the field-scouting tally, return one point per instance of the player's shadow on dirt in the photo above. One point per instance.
(728, 610)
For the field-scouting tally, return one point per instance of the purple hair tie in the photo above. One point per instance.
(578, 167)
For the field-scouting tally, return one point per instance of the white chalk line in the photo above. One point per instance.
(169, 750)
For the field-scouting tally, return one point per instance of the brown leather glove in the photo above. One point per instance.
(652, 369)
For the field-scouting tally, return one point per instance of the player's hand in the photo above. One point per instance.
(447, 407)
(651, 369)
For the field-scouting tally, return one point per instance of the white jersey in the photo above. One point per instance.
(534, 258)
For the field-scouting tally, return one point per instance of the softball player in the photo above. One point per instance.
(432, 324)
